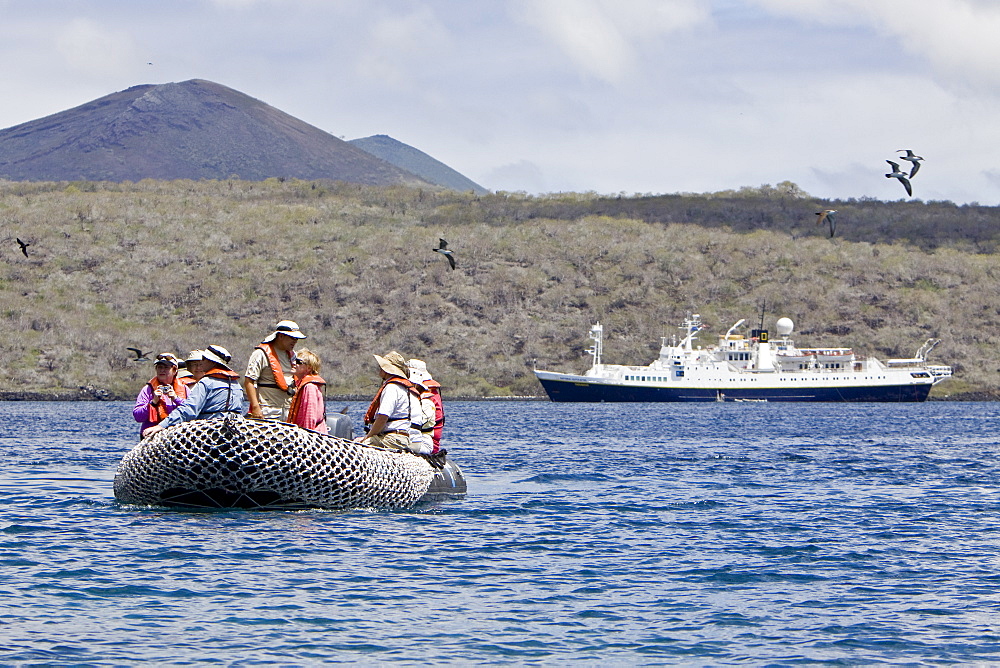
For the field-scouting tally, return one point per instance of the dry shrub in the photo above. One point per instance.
(176, 265)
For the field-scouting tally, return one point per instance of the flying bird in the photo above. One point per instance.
(911, 157)
(896, 174)
(443, 249)
(827, 215)
(24, 247)
(139, 355)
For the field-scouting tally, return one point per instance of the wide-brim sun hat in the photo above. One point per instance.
(193, 356)
(217, 355)
(286, 327)
(393, 364)
(419, 373)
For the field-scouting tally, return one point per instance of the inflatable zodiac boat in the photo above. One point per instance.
(236, 462)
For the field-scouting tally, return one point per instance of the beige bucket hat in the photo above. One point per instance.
(393, 364)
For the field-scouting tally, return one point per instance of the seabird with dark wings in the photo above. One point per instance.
(443, 249)
(896, 174)
(24, 246)
(913, 158)
(826, 215)
(139, 355)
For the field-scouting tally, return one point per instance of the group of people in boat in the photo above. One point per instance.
(407, 412)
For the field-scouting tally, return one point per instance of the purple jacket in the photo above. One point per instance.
(141, 410)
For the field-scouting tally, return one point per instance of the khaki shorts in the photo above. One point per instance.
(392, 441)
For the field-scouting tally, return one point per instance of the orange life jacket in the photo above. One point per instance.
(293, 410)
(159, 412)
(223, 374)
(272, 361)
(398, 380)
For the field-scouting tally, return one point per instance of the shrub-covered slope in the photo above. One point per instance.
(170, 266)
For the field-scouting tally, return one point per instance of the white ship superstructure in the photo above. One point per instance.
(747, 367)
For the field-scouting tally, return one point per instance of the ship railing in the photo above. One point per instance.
(939, 371)
(912, 362)
(812, 370)
(827, 352)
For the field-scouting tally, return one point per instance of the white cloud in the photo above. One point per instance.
(602, 37)
(957, 37)
(90, 49)
(558, 95)
(401, 45)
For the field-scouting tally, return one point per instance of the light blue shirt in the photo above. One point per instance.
(209, 397)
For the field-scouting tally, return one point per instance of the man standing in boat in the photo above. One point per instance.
(268, 380)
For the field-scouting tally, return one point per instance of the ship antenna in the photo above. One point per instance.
(763, 308)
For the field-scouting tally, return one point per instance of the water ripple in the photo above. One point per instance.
(776, 535)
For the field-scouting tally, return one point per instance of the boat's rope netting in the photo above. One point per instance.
(248, 457)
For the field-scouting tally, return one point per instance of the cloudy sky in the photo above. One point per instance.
(612, 96)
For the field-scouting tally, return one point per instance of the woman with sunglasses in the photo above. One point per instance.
(161, 395)
(308, 408)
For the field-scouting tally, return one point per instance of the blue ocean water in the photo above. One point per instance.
(609, 534)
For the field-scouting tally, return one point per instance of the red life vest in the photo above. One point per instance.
(439, 418)
(293, 410)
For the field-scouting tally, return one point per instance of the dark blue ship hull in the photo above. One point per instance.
(597, 392)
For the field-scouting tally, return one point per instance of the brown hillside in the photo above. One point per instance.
(190, 130)
(171, 266)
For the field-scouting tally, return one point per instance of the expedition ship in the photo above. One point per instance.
(753, 368)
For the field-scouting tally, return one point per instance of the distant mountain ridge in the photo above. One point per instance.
(417, 162)
(195, 129)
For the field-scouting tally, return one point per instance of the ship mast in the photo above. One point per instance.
(690, 327)
(597, 336)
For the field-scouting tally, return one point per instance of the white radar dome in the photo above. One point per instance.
(784, 326)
